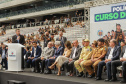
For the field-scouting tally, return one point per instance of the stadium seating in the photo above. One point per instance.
(44, 7)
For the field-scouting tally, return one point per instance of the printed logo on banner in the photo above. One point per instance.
(100, 33)
(117, 12)
(12, 54)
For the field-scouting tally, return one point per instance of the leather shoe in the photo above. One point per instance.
(123, 81)
(98, 78)
(48, 72)
(107, 80)
(112, 80)
(91, 76)
(80, 74)
(84, 76)
(41, 72)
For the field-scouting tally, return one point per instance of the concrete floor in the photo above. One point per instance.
(28, 72)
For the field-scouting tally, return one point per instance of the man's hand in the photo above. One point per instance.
(52, 58)
(32, 57)
(107, 60)
(122, 59)
(42, 58)
(18, 37)
(48, 39)
(94, 60)
(70, 60)
(29, 57)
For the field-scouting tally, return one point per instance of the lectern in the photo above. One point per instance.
(15, 57)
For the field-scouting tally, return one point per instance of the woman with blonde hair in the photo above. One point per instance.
(61, 59)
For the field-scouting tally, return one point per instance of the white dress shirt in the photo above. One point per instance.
(74, 53)
(34, 51)
(110, 54)
(124, 55)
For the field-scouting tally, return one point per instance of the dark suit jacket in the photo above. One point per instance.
(1, 52)
(28, 54)
(46, 41)
(77, 54)
(123, 51)
(116, 53)
(62, 41)
(58, 52)
(21, 41)
(38, 52)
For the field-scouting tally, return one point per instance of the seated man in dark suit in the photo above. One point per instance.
(75, 54)
(112, 54)
(36, 52)
(28, 54)
(46, 54)
(58, 52)
(18, 38)
(120, 62)
(3, 52)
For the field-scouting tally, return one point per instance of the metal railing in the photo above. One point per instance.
(45, 23)
(75, 19)
(34, 24)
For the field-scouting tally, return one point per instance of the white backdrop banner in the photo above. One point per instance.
(103, 19)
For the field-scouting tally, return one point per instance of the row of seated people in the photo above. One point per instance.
(87, 59)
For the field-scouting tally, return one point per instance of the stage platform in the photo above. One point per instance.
(36, 78)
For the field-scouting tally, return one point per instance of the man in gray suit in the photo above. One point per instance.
(46, 54)
(120, 62)
(75, 54)
(62, 39)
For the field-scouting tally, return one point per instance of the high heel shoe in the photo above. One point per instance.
(51, 67)
(59, 74)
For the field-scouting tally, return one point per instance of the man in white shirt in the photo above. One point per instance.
(120, 62)
(112, 54)
(36, 52)
(75, 54)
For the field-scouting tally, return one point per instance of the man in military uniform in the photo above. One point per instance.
(85, 55)
(96, 57)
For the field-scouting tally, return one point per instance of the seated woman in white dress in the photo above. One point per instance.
(61, 59)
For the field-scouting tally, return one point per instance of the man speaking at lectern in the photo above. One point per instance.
(18, 38)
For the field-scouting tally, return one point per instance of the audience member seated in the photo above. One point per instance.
(28, 54)
(120, 62)
(46, 54)
(122, 44)
(3, 53)
(58, 52)
(94, 45)
(36, 52)
(84, 56)
(97, 56)
(75, 53)
(61, 59)
(112, 54)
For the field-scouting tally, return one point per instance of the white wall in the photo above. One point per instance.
(105, 26)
